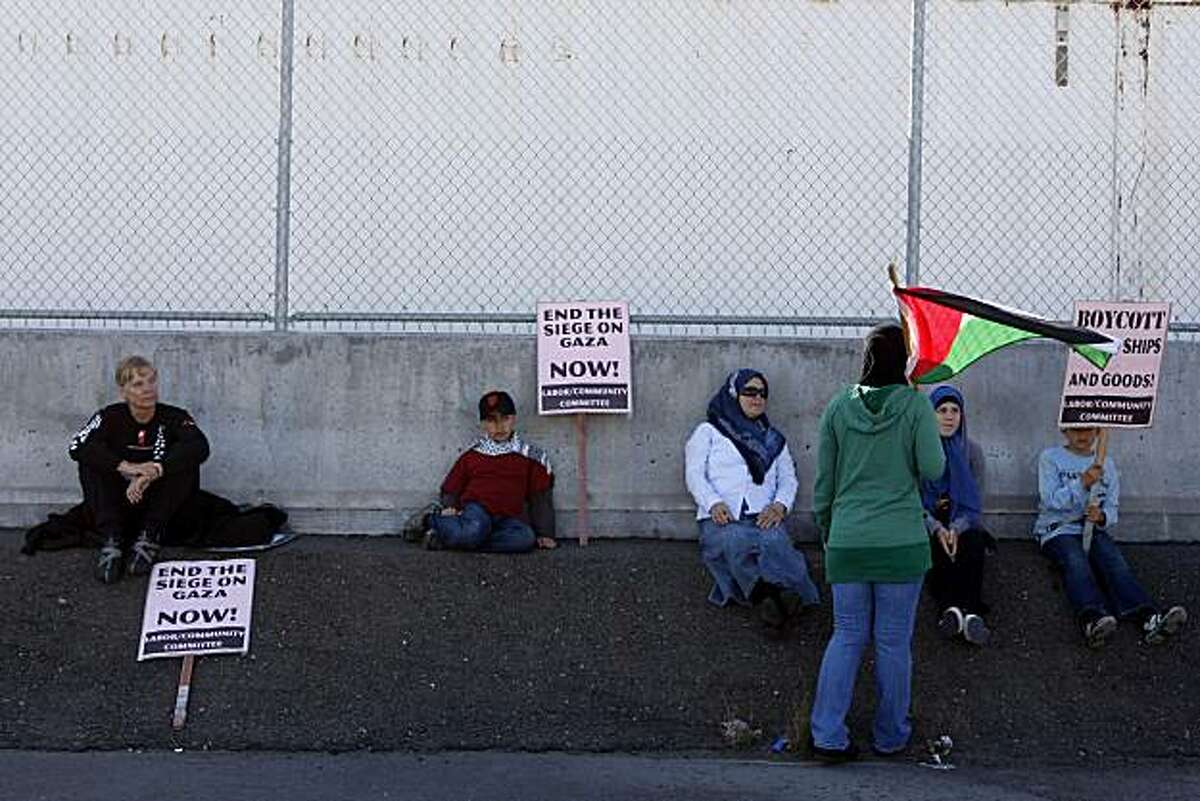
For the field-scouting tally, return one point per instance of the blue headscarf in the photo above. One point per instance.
(957, 481)
(757, 442)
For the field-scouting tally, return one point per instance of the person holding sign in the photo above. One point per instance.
(953, 520)
(497, 497)
(1074, 489)
(741, 474)
(139, 463)
(878, 439)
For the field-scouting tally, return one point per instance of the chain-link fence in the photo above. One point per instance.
(724, 166)
(1060, 145)
(137, 160)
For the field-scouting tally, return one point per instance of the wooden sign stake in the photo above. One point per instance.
(1101, 454)
(181, 696)
(581, 492)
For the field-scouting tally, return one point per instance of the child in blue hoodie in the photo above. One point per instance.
(1073, 489)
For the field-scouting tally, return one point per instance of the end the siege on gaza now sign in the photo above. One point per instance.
(584, 363)
(198, 608)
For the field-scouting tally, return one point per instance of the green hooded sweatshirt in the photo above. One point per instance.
(875, 445)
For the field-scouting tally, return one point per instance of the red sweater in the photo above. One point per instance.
(501, 484)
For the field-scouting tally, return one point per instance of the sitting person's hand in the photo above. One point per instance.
(949, 540)
(132, 470)
(547, 543)
(137, 489)
(1094, 514)
(450, 511)
(720, 513)
(771, 516)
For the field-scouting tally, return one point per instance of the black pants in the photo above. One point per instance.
(114, 517)
(960, 582)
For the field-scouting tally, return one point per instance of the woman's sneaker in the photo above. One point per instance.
(950, 624)
(1161, 625)
(1099, 630)
(833, 756)
(110, 562)
(975, 631)
(144, 552)
(772, 614)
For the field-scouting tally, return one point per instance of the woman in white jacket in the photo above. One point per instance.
(741, 474)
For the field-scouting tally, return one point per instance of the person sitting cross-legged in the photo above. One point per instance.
(497, 497)
(139, 463)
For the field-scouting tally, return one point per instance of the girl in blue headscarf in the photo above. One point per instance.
(741, 474)
(953, 518)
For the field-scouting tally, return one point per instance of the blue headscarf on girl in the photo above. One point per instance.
(757, 442)
(957, 481)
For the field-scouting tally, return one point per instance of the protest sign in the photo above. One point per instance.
(584, 363)
(197, 608)
(1122, 395)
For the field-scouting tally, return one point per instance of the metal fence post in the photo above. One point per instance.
(916, 118)
(283, 179)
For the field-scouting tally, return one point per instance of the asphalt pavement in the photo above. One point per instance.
(368, 645)
(492, 776)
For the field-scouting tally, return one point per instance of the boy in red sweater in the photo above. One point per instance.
(485, 495)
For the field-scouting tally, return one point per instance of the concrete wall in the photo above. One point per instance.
(349, 433)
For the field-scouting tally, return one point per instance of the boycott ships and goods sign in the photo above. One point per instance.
(197, 608)
(1122, 395)
(583, 358)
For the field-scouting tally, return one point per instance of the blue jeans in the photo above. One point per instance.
(740, 554)
(859, 609)
(475, 529)
(1098, 581)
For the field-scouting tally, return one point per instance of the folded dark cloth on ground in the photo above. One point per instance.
(206, 520)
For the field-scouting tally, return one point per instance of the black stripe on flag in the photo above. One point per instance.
(1070, 334)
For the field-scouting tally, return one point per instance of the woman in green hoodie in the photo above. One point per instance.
(878, 439)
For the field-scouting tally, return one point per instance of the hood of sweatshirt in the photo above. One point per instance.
(875, 409)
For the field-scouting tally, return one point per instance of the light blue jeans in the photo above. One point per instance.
(476, 530)
(740, 554)
(887, 611)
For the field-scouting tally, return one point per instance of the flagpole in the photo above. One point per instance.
(916, 128)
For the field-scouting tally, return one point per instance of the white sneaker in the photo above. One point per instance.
(1099, 630)
(975, 631)
(1161, 625)
(950, 624)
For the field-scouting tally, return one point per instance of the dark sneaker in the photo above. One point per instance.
(772, 614)
(417, 524)
(143, 554)
(833, 756)
(1161, 625)
(950, 624)
(430, 541)
(791, 603)
(110, 562)
(975, 631)
(1099, 630)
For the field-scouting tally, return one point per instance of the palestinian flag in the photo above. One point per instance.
(947, 333)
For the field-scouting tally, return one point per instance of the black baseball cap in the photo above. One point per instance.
(496, 402)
